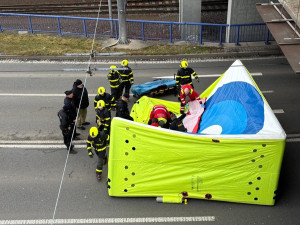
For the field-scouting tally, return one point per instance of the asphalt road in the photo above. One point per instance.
(33, 157)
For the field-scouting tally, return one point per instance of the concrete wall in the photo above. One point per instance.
(244, 11)
(190, 11)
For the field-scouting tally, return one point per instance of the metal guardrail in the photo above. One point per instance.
(136, 29)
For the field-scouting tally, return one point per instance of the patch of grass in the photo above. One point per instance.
(27, 44)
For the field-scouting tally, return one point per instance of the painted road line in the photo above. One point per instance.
(41, 95)
(40, 146)
(113, 220)
(39, 142)
(267, 92)
(293, 135)
(293, 140)
(278, 111)
(33, 95)
(209, 75)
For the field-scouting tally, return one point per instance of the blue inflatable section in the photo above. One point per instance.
(145, 88)
(235, 108)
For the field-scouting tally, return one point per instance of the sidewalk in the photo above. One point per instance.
(227, 51)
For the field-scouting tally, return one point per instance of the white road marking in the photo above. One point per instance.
(38, 142)
(278, 111)
(39, 146)
(293, 140)
(293, 135)
(209, 75)
(41, 95)
(267, 92)
(32, 95)
(112, 220)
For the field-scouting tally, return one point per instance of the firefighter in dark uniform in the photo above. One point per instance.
(122, 107)
(177, 123)
(72, 112)
(103, 117)
(115, 80)
(184, 76)
(127, 77)
(99, 141)
(66, 128)
(106, 97)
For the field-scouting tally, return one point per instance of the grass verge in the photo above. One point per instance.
(28, 45)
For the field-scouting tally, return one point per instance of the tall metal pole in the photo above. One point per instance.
(122, 22)
(110, 16)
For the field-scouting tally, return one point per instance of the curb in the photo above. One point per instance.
(141, 58)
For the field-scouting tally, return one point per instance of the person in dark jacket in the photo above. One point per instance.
(106, 97)
(103, 117)
(78, 88)
(99, 141)
(177, 123)
(71, 110)
(122, 107)
(66, 129)
(115, 80)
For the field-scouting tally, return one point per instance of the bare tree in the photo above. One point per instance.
(122, 22)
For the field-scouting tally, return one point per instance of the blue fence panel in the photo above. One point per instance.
(249, 33)
(19, 23)
(136, 29)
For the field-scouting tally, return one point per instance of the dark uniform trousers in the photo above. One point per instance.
(101, 158)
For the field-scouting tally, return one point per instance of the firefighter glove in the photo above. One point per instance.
(91, 154)
(197, 79)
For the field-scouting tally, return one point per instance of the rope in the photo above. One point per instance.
(89, 63)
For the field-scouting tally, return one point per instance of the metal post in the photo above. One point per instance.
(237, 35)
(58, 25)
(110, 16)
(122, 22)
(171, 33)
(201, 32)
(267, 38)
(30, 24)
(143, 30)
(116, 29)
(84, 28)
(221, 29)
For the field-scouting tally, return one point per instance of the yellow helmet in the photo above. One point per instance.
(101, 90)
(93, 132)
(100, 103)
(113, 67)
(124, 62)
(184, 64)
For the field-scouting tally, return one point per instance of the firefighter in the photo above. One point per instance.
(115, 80)
(127, 77)
(184, 74)
(99, 141)
(122, 107)
(162, 114)
(187, 90)
(103, 117)
(106, 97)
(66, 128)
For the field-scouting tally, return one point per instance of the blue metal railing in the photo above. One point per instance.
(136, 29)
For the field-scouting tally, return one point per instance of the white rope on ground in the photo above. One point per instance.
(89, 63)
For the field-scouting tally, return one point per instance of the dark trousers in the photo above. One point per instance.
(116, 93)
(101, 157)
(125, 85)
(67, 138)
